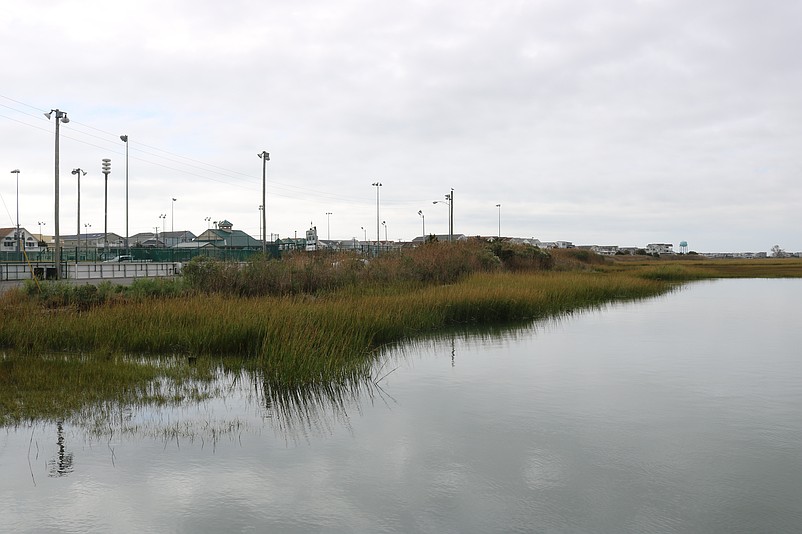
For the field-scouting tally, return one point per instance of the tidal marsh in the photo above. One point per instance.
(112, 347)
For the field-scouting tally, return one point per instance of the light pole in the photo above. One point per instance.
(384, 223)
(16, 232)
(61, 116)
(78, 172)
(124, 139)
(41, 237)
(106, 172)
(499, 220)
(265, 158)
(328, 225)
(172, 217)
(208, 222)
(423, 222)
(377, 185)
(448, 203)
(163, 217)
(87, 226)
(365, 232)
(450, 198)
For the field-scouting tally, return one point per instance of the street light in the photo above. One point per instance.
(106, 172)
(16, 233)
(450, 198)
(124, 139)
(365, 232)
(208, 222)
(377, 185)
(41, 237)
(328, 225)
(172, 216)
(163, 217)
(449, 211)
(499, 220)
(423, 222)
(384, 223)
(61, 116)
(87, 226)
(78, 172)
(265, 158)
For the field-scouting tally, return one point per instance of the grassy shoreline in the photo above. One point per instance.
(295, 340)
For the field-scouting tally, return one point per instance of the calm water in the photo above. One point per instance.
(679, 414)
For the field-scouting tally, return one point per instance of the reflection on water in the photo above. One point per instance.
(61, 465)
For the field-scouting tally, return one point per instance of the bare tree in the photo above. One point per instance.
(777, 252)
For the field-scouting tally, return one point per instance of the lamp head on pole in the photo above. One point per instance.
(79, 171)
(124, 138)
(60, 115)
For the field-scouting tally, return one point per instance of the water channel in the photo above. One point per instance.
(676, 414)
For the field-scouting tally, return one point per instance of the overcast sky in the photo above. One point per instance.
(621, 122)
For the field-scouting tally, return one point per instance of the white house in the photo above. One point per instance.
(27, 240)
(660, 248)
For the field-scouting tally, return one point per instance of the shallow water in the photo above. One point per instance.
(677, 414)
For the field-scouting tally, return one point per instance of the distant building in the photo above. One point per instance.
(224, 236)
(92, 240)
(171, 239)
(605, 250)
(660, 248)
(27, 240)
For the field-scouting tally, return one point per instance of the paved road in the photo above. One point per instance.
(8, 284)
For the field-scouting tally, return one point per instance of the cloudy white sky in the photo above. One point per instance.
(619, 122)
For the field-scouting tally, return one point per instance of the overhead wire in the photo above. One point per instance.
(290, 191)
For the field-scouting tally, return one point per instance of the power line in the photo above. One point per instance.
(291, 190)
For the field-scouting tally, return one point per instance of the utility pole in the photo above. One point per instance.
(106, 172)
(61, 116)
(377, 185)
(265, 158)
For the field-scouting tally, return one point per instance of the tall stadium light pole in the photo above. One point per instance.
(61, 116)
(328, 225)
(16, 233)
(499, 220)
(265, 158)
(79, 172)
(423, 223)
(106, 172)
(377, 185)
(124, 139)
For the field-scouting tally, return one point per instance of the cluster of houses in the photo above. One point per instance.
(224, 236)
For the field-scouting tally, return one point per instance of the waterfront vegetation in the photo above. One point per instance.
(308, 320)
